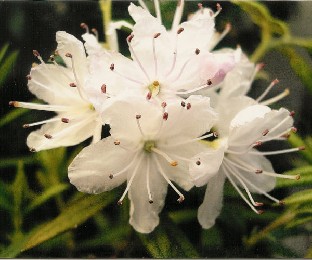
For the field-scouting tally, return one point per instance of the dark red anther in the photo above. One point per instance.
(68, 55)
(165, 116)
(103, 88)
(265, 132)
(28, 77)
(197, 51)
(138, 117)
(65, 120)
(198, 162)
(163, 104)
(73, 85)
(188, 106)
(258, 171)
(36, 53)
(130, 37)
(156, 35)
(47, 136)
(182, 104)
(112, 67)
(209, 82)
(180, 30)
(149, 95)
(292, 113)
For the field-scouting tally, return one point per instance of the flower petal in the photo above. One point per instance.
(144, 215)
(91, 169)
(263, 182)
(63, 134)
(211, 207)
(206, 164)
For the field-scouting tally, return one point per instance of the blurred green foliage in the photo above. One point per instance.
(43, 216)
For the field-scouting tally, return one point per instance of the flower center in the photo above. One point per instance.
(149, 145)
(91, 107)
(154, 88)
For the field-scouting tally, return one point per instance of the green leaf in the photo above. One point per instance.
(3, 51)
(12, 115)
(45, 196)
(305, 178)
(72, 216)
(5, 197)
(299, 65)
(6, 66)
(168, 241)
(15, 248)
(182, 216)
(299, 197)
(299, 221)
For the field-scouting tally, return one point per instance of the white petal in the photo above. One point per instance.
(188, 123)
(264, 182)
(63, 134)
(144, 215)
(91, 168)
(92, 45)
(249, 124)
(211, 207)
(51, 84)
(206, 164)
(67, 43)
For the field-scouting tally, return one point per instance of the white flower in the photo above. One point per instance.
(243, 165)
(63, 89)
(164, 64)
(150, 146)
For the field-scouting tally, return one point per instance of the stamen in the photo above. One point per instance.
(181, 196)
(139, 125)
(164, 155)
(279, 151)
(165, 116)
(267, 90)
(154, 53)
(208, 84)
(239, 191)
(79, 86)
(85, 27)
(65, 120)
(112, 68)
(130, 182)
(150, 199)
(111, 176)
(237, 176)
(48, 136)
(292, 113)
(178, 14)
(103, 88)
(265, 132)
(175, 52)
(41, 122)
(270, 101)
(219, 9)
(197, 51)
(188, 106)
(36, 106)
(28, 77)
(73, 85)
(38, 56)
(191, 140)
(96, 33)
(182, 104)
(136, 57)
(116, 142)
(149, 95)
(283, 176)
(157, 8)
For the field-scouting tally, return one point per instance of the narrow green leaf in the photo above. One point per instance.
(299, 65)
(6, 66)
(168, 241)
(299, 197)
(12, 115)
(5, 197)
(3, 51)
(45, 196)
(72, 216)
(299, 221)
(182, 216)
(9, 162)
(14, 249)
(18, 189)
(305, 178)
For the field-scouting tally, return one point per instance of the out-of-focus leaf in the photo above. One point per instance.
(183, 215)
(305, 180)
(6, 66)
(299, 65)
(5, 197)
(296, 141)
(9, 162)
(211, 238)
(72, 216)
(299, 197)
(15, 248)
(309, 253)
(9, 117)
(3, 51)
(168, 241)
(18, 187)
(299, 221)
(46, 195)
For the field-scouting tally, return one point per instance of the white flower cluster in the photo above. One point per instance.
(161, 105)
